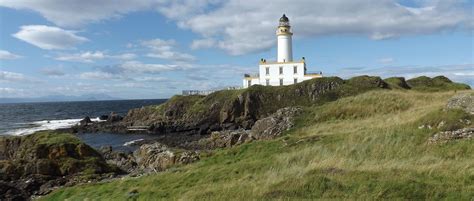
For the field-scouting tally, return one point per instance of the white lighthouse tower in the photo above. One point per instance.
(285, 51)
(284, 71)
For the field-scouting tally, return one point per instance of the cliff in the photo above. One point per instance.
(232, 109)
(33, 164)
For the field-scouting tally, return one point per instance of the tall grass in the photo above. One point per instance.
(363, 147)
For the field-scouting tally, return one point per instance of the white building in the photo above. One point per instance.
(284, 71)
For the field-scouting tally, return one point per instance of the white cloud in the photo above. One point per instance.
(203, 43)
(98, 75)
(139, 67)
(165, 49)
(243, 26)
(4, 55)
(73, 13)
(92, 56)
(6, 92)
(48, 37)
(386, 60)
(86, 57)
(11, 76)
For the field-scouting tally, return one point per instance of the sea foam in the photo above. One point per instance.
(47, 125)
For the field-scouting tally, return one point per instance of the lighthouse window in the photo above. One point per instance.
(281, 82)
(267, 71)
(267, 82)
(249, 83)
(296, 80)
(281, 70)
(295, 69)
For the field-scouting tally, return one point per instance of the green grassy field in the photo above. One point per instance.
(367, 146)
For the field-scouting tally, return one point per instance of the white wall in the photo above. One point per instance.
(288, 75)
(253, 81)
(285, 51)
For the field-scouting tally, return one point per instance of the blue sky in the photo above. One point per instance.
(156, 48)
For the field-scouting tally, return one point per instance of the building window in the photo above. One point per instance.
(295, 69)
(281, 82)
(267, 70)
(296, 80)
(281, 70)
(267, 82)
(249, 83)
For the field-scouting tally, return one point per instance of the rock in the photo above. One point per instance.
(85, 121)
(274, 125)
(9, 192)
(158, 157)
(125, 161)
(103, 117)
(463, 101)
(446, 136)
(113, 117)
(35, 163)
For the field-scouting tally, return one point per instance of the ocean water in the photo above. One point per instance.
(27, 118)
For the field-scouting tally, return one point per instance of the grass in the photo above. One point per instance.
(364, 147)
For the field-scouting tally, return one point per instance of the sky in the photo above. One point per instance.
(145, 49)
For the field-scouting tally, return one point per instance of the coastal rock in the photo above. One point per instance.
(9, 192)
(274, 125)
(85, 121)
(103, 117)
(220, 139)
(463, 101)
(158, 157)
(113, 117)
(30, 162)
(446, 136)
(125, 161)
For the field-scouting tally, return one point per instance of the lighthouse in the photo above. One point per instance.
(285, 70)
(285, 51)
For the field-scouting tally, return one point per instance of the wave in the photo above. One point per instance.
(47, 125)
(133, 142)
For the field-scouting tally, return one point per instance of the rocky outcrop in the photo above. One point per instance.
(125, 161)
(240, 109)
(264, 129)
(35, 163)
(221, 139)
(463, 101)
(274, 125)
(446, 136)
(158, 157)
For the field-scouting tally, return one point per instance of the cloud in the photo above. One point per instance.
(6, 55)
(98, 75)
(6, 92)
(11, 77)
(74, 13)
(92, 56)
(48, 37)
(459, 72)
(54, 72)
(165, 49)
(139, 67)
(386, 60)
(203, 43)
(243, 26)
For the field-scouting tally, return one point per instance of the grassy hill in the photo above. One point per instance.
(367, 146)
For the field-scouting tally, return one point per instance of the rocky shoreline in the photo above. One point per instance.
(186, 126)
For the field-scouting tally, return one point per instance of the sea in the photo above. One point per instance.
(26, 118)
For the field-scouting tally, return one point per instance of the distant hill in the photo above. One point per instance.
(60, 98)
